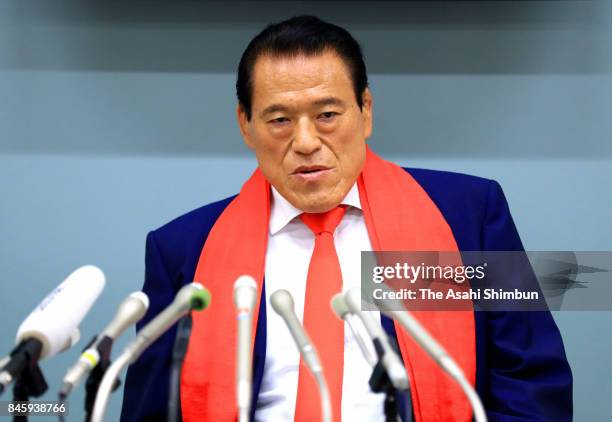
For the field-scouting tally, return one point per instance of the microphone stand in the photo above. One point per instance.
(30, 382)
(97, 373)
(381, 383)
(179, 350)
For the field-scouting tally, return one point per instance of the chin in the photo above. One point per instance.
(318, 205)
(316, 208)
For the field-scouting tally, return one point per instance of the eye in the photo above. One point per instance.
(327, 116)
(279, 120)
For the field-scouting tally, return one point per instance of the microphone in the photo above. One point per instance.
(245, 297)
(131, 310)
(282, 303)
(435, 351)
(388, 356)
(52, 327)
(192, 296)
(342, 311)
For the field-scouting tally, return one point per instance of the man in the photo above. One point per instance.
(318, 198)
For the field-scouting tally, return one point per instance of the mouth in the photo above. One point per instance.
(308, 173)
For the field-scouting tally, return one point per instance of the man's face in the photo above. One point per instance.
(306, 129)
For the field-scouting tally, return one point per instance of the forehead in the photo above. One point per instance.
(279, 78)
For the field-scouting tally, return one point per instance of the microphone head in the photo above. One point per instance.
(134, 307)
(388, 305)
(339, 306)
(140, 297)
(200, 299)
(194, 296)
(130, 311)
(55, 319)
(245, 292)
(282, 301)
(352, 299)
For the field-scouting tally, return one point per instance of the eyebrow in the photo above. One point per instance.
(273, 108)
(330, 101)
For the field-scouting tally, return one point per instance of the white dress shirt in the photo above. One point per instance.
(290, 247)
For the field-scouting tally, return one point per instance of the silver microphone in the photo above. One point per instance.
(342, 311)
(389, 358)
(193, 296)
(245, 297)
(435, 351)
(282, 303)
(130, 311)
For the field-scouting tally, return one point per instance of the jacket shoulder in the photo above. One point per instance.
(180, 241)
(465, 201)
(455, 193)
(194, 220)
(456, 185)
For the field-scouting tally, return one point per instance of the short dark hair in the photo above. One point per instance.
(306, 35)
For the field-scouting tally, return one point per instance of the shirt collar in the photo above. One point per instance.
(282, 212)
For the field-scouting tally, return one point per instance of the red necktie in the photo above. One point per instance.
(324, 328)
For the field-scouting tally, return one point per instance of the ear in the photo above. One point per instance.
(243, 125)
(366, 111)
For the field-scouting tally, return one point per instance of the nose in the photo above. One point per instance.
(305, 137)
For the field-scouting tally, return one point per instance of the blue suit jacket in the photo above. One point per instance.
(522, 373)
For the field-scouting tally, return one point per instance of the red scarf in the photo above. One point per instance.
(400, 216)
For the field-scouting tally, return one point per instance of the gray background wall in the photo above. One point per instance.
(115, 118)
